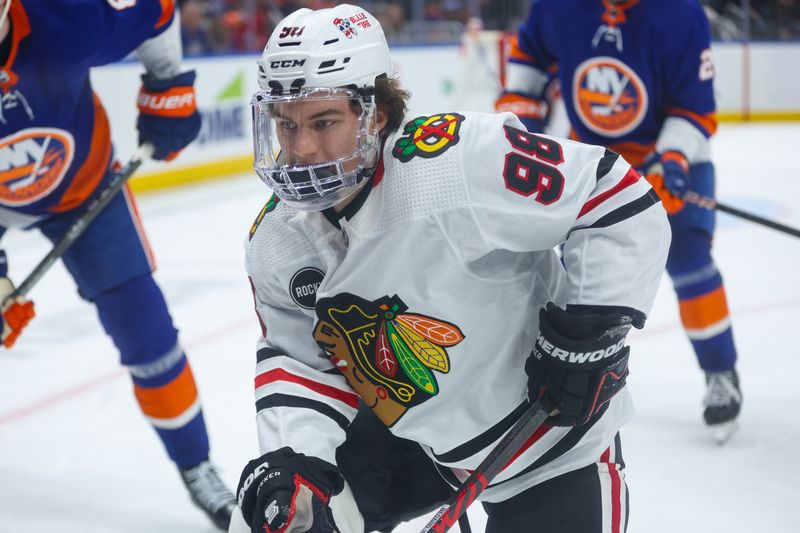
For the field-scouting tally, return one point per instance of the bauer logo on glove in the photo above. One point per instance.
(180, 103)
(168, 117)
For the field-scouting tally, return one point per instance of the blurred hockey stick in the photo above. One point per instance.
(82, 222)
(498, 458)
(709, 203)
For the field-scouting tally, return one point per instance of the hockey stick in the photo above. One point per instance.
(82, 222)
(455, 506)
(709, 203)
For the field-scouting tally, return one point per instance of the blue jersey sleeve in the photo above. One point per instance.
(689, 69)
(105, 31)
(531, 47)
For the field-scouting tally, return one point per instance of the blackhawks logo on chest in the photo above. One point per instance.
(389, 356)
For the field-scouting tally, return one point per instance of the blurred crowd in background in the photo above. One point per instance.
(225, 26)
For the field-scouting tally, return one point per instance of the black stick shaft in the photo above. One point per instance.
(82, 222)
(710, 203)
(494, 463)
(758, 220)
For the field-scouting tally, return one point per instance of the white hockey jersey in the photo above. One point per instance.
(421, 298)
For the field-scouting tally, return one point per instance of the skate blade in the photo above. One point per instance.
(722, 433)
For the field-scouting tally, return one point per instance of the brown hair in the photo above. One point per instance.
(390, 95)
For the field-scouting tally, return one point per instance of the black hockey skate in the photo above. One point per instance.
(209, 493)
(723, 402)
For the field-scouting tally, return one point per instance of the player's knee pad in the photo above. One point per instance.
(135, 316)
(693, 216)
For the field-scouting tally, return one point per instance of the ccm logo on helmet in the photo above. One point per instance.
(543, 346)
(287, 63)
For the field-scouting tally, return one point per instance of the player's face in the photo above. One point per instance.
(316, 131)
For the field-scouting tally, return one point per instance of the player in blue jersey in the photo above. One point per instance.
(56, 155)
(636, 77)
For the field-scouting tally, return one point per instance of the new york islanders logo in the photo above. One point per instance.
(387, 355)
(609, 97)
(32, 163)
(428, 136)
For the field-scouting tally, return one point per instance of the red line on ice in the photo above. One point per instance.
(97, 382)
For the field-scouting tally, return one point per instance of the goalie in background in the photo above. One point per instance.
(641, 84)
(411, 303)
(56, 155)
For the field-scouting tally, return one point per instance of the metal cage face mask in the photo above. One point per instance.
(313, 146)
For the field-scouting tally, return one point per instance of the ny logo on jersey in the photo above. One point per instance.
(33, 162)
(609, 97)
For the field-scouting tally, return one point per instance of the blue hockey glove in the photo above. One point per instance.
(168, 117)
(668, 173)
(676, 173)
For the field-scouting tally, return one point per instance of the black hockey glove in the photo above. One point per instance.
(580, 360)
(288, 491)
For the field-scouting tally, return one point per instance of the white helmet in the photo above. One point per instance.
(324, 55)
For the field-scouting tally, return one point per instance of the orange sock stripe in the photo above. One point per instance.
(170, 400)
(704, 311)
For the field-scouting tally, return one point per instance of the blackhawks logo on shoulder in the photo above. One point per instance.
(268, 207)
(387, 354)
(428, 136)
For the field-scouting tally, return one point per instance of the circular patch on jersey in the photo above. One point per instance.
(304, 285)
(609, 97)
(33, 162)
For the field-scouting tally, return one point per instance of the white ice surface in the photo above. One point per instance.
(76, 455)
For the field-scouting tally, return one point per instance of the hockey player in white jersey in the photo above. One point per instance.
(412, 302)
